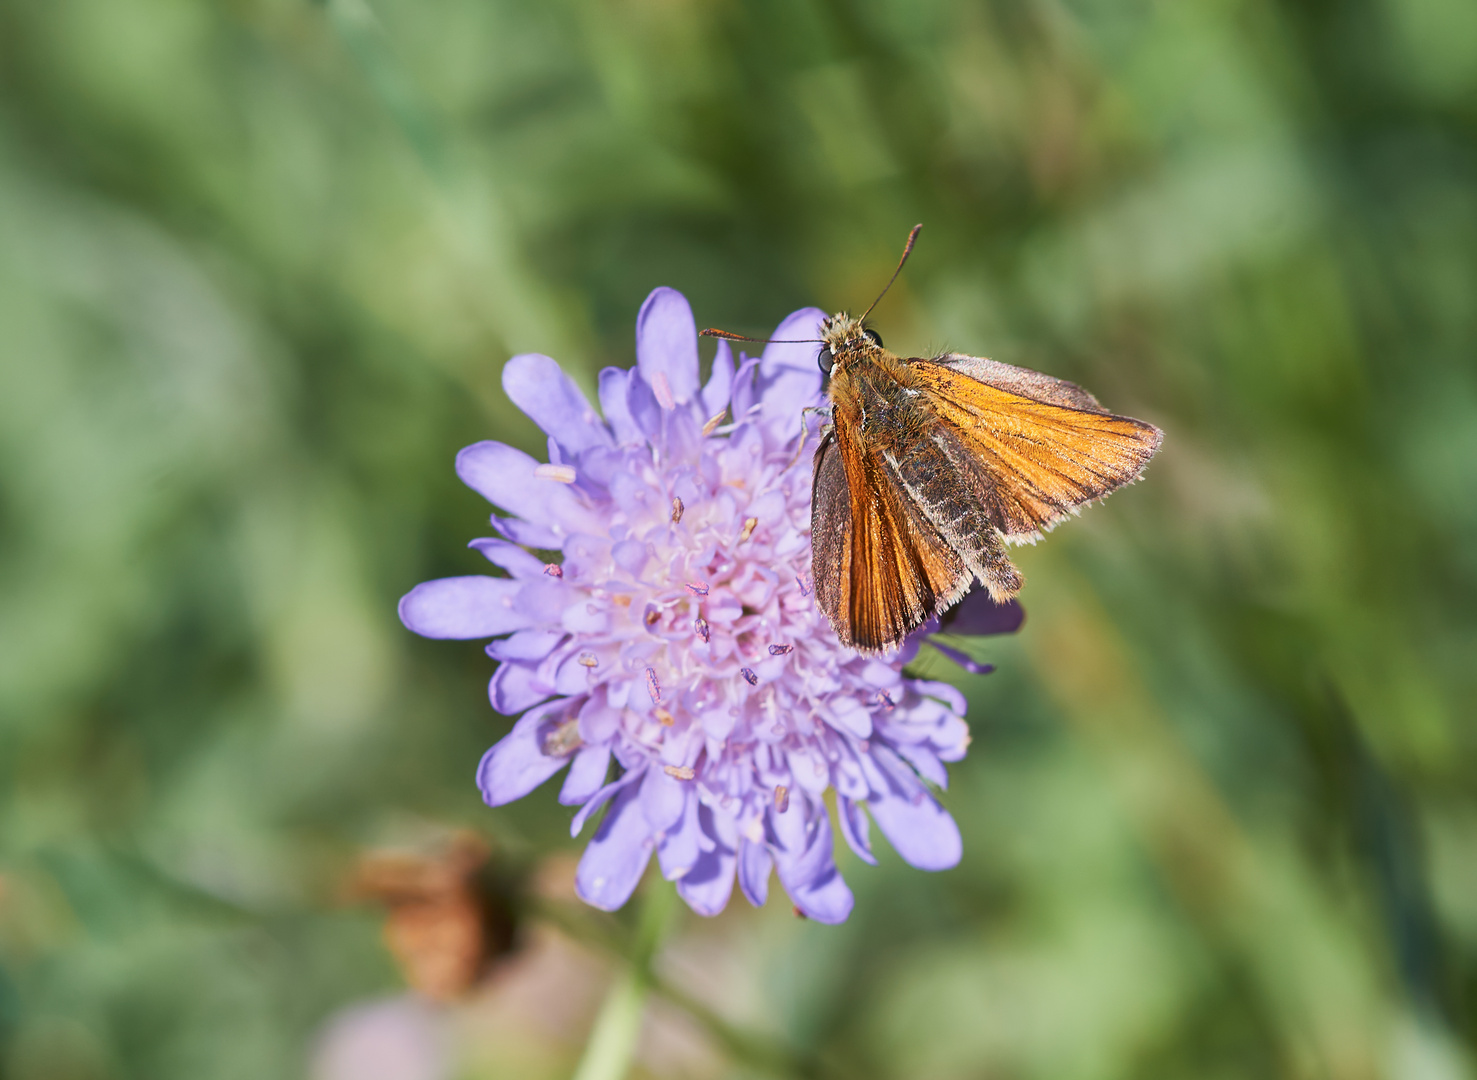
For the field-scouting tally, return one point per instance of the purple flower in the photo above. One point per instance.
(677, 636)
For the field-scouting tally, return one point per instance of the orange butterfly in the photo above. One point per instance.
(931, 466)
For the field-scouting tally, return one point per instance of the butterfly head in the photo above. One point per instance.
(844, 337)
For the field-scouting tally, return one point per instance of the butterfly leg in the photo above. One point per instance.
(805, 414)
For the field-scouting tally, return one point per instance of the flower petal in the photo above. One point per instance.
(944, 692)
(666, 342)
(642, 405)
(462, 608)
(789, 377)
(850, 715)
(614, 388)
(600, 797)
(514, 687)
(754, 864)
(744, 396)
(517, 764)
(977, 614)
(538, 386)
(586, 775)
(812, 880)
(922, 758)
(922, 832)
(678, 851)
(527, 532)
(612, 865)
(630, 556)
(532, 645)
(963, 659)
(709, 884)
(720, 382)
(510, 557)
(662, 800)
(505, 477)
(854, 828)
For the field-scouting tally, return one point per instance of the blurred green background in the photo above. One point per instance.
(261, 262)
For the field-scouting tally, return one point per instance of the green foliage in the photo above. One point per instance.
(261, 263)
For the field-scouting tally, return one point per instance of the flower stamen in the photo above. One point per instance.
(780, 650)
(781, 799)
(679, 772)
(653, 687)
(749, 676)
(700, 624)
(749, 526)
(677, 509)
(563, 474)
(554, 570)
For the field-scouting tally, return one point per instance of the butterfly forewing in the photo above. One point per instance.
(881, 566)
(1045, 457)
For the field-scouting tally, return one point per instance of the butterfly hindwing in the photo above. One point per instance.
(962, 501)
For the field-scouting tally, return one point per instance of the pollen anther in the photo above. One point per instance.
(564, 474)
(749, 525)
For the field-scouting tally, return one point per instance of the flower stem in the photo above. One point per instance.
(613, 1038)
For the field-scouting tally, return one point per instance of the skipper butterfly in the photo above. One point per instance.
(931, 466)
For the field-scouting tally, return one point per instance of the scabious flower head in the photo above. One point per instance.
(675, 635)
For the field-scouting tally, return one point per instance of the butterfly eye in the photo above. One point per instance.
(876, 337)
(826, 359)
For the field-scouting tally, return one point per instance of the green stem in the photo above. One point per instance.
(613, 1038)
(760, 1053)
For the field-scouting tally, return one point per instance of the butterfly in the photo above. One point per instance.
(930, 467)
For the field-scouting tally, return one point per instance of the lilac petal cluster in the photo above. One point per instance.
(670, 654)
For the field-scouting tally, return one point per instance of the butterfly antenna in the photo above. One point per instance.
(907, 250)
(729, 335)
